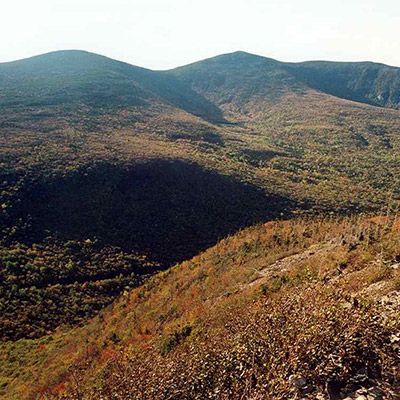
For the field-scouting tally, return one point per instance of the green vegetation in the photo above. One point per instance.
(51, 284)
(113, 203)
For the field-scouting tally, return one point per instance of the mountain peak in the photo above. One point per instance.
(241, 56)
(57, 56)
(242, 53)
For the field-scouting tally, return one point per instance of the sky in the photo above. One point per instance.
(162, 34)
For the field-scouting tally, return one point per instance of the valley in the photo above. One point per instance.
(136, 212)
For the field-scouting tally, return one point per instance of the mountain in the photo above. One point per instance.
(111, 174)
(241, 77)
(367, 82)
(292, 308)
(77, 78)
(238, 78)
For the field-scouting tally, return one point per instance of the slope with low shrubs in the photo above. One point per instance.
(299, 301)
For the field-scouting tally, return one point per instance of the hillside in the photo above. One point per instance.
(238, 79)
(295, 308)
(74, 80)
(110, 172)
(367, 82)
(241, 77)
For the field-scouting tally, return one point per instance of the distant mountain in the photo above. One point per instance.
(71, 78)
(240, 77)
(366, 82)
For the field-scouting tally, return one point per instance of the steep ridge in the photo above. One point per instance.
(366, 82)
(322, 321)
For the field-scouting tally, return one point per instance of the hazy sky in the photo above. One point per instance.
(161, 34)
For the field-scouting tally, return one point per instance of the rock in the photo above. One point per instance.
(305, 389)
(375, 393)
(297, 381)
(333, 388)
(361, 378)
(395, 338)
(346, 305)
(362, 397)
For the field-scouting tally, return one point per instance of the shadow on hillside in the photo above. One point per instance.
(169, 209)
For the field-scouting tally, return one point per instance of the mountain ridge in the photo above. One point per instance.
(368, 82)
(231, 53)
(75, 77)
(309, 74)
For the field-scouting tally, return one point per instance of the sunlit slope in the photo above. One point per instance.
(312, 300)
